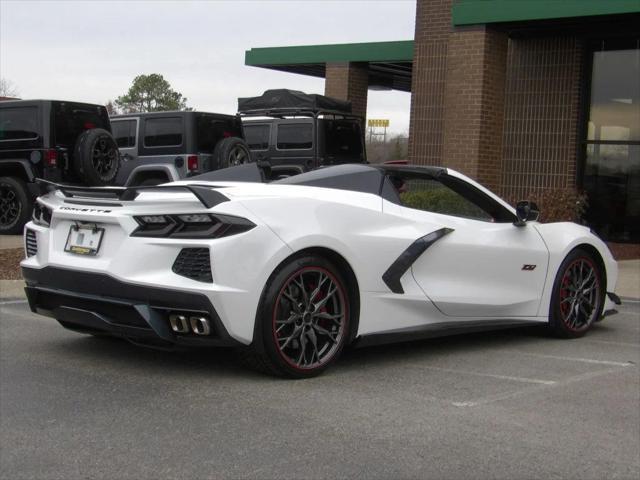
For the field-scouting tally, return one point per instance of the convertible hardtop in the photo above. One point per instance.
(372, 179)
(383, 180)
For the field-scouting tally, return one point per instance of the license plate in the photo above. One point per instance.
(84, 240)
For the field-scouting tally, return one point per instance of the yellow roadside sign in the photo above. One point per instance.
(378, 122)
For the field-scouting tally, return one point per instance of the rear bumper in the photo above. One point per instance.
(99, 303)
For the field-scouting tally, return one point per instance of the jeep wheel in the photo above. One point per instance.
(96, 157)
(230, 152)
(15, 205)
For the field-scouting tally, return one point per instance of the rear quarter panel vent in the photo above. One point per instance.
(194, 263)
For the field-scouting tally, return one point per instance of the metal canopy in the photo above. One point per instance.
(389, 63)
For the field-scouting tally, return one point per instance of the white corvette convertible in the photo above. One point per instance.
(294, 270)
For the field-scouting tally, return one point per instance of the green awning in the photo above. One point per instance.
(389, 63)
(470, 12)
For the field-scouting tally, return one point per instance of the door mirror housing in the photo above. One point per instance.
(526, 211)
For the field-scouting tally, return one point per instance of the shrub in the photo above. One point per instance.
(558, 204)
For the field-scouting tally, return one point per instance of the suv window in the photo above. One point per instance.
(70, 120)
(257, 136)
(18, 123)
(295, 136)
(209, 131)
(124, 132)
(432, 196)
(342, 138)
(163, 132)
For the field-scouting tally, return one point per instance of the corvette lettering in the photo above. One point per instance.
(85, 210)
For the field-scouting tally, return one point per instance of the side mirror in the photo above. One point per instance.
(526, 211)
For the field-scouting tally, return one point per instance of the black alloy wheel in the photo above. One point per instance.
(303, 320)
(96, 158)
(104, 158)
(578, 296)
(10, 207)
(15, 205)
(309, 318)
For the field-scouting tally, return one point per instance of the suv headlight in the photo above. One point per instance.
(190, 225)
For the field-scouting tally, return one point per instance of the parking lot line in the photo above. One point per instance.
(618, 344)
(571, 359)
(490, 375)
(509, 395)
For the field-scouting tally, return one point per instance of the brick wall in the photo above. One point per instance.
(348, 81)
(504, 111)
(426, 131)
(474, 103)
(542, 101)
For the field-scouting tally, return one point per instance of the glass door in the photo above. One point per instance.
(612, 158)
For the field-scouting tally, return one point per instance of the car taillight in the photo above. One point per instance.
(89, 125)
(41, 215)
(51, 157)
(190, 225)
(192, 162)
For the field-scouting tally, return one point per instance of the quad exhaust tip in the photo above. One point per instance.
(197, 325)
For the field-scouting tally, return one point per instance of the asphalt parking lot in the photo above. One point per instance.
(509, 404)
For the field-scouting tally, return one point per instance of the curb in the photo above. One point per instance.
(12, 290)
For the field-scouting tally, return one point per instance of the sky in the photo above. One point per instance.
(91, 50)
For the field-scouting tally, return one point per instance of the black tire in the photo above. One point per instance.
(312, 293)
(16, 205)
(96, 158)
(578, 293)
(230, 152)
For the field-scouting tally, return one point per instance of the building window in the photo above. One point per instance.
(612, 147)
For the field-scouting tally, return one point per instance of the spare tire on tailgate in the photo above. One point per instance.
(231, 151)
(96, 158)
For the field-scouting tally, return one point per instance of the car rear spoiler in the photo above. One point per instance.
(205, 194)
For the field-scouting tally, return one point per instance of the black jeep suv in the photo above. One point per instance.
(59, 141)
(300, 132)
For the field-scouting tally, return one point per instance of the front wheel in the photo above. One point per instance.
(578, 295)
(303, 320)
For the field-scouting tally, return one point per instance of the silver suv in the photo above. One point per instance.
(162, 147)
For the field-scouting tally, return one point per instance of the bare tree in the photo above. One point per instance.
(380, 151)
(111, 108)
(8, 88)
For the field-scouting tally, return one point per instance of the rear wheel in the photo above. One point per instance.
(230, 152)
(96, 157)
(578, 295)
(303, 321)
(15, 205)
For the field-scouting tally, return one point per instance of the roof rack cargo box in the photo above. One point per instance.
(283, 100)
